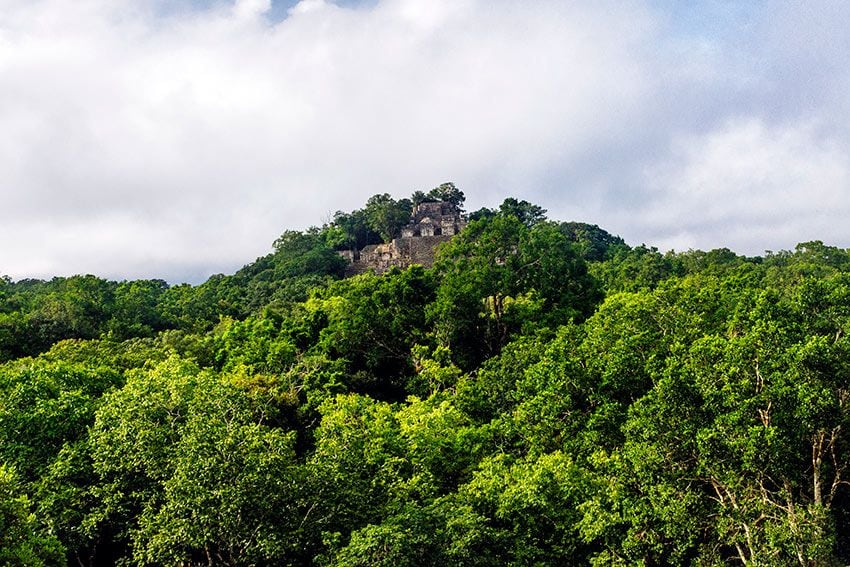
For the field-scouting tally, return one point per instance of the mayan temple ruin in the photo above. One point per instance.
(430, 224)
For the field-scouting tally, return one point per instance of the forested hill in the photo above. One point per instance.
(545, 394)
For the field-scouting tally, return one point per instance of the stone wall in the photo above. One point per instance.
(400, 253)
(431, 224)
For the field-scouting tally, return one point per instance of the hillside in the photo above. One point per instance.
(542, 394)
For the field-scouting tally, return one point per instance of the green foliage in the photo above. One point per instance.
(593, 243)
(489, 392)
(133, 436)
(636, 269)
(257, 342)
(356, 463)
(231, 497)
(356, 228)
(523, 211)
(45, 406)
(442, 444)
(447, 193)
(544, 395)
(527, 213)
(137, 311)
(187, 468)
(22, 541)
(500, 276)
(65, 497)
(532, 505)
(442, 533)
(373, 322)
(386, 216)
(300, 254)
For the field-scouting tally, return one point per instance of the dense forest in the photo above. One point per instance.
(544, 394)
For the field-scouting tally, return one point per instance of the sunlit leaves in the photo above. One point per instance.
(22, 541)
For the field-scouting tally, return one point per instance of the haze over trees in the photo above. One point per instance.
(545, 394)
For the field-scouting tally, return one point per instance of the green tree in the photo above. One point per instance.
(386, 216)
(356, 466)
(132, 447)
(448, 193)
(357, 229)
(136, 312)
(258, 342)
(75, 307)
(372, 322)
(635, 269)
(445, 532)
(232, 496)
(499, 276)
(532, 506)
(66, 498)
(527, 213)
(22, 540)
(594, 244)
(300, 254)
(420, 197)
(46, 406)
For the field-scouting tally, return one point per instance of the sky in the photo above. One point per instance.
(178, 139)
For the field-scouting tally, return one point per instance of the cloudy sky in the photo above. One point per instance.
(177, 139)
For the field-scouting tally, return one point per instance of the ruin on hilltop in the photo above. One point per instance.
(430, 224)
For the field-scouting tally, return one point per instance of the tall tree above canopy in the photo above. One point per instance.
(594, 243)
(386, 216)
(448, 193)
(357, 229)
(302, 253)
(416, 199)
(527, 213)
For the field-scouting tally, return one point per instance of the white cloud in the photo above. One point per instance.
(108, 109)
(746, 185)
(306, 6)
(182, 141)
(251, 9)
